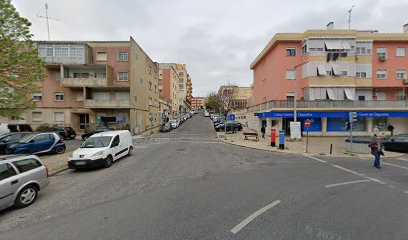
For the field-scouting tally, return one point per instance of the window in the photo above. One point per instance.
(59, 117)
(400, 52)
(382, 52)
(361, 98)
(37, 116)
(101, 56)
(6, 171)
(343, 73)
(380, 123)
(122, 56)
(77, 51)
(290, 74)
(57, 75)
(61, 50)
(290, 52)
(361, 74)
(400, 96)
(123, 76)
(122, 96)
(49, 52)
(181, 87)
(150, 101)
(400, 74)
(181, 74)
(58, 96)
(304, 49)
(81, 75)
(100, 75)
(79, 96)
(381, 74)
(155, 88)
(37, 96)
(181, 80)
(26, 165)
(150, 86)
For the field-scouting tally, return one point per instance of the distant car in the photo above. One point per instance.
(206, 114)
(21, 178)
(102, 149)
(174, 123)
(397, 143)
(49, 142)
(9, 138)
(14, 127)
(165, 128)
(99, 130)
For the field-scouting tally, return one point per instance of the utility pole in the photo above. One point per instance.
(349, 18)
(47, 19)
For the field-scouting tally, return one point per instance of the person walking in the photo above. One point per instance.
(263, 131)
(376, 150)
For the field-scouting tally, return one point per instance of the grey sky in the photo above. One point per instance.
(217, 39)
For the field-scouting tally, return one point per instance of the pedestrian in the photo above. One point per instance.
(263, 131)
(376, 150)
(391, 129)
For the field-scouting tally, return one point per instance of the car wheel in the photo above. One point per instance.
(108, 161)
(26, 196)
(130, 151)
(60, 149)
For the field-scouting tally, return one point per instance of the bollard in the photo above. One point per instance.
(331, 149)
(273, 137)
(281, 139)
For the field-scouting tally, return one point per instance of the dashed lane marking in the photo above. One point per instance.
(358, 174)
(245, 222)
(346, 183)
(314, 158)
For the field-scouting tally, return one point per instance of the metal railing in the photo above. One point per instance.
(94, 103)
(84, 82)
(327, 104)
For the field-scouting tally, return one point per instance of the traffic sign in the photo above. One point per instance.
(232, 117)
(307, 123)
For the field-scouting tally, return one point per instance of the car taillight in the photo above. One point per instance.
(66, 132)
(61, 140)
(46, 170)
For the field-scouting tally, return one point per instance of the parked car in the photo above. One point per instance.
(99, 130)
(165, 128)
(174, 123)
(9, 138)
(66, 132)
(231, 127)
(398, 143)
(7, 128)
(102, 149)
(36, 143)
(21, 178)
(206, 114)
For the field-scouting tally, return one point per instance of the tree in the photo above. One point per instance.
(20, 66)
(213, 102)
(227, 94)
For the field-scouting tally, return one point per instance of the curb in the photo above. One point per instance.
(53, 173)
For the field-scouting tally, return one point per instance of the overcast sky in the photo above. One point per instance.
(217, 39)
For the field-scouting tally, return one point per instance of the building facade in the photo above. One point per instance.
(198, 103)
(169, 88)
(96, 84)
(240, 96)
(337, 72)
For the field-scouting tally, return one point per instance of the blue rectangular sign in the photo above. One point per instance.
(376, 114)
(232, 117)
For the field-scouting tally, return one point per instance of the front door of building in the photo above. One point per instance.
(83, 121)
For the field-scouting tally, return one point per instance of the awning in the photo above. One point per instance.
(312, 95)
(349, 94)
(345, 45)
(321, 68)
(333, 45)
(336, 70)
(330, 92)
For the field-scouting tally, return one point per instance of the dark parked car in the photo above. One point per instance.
(99, 130)
(9, 138)
(397, 143)
(65, 132)
(165, 127)
(231, 127)
(48, 142)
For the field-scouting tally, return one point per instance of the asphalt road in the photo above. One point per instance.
(187, 185)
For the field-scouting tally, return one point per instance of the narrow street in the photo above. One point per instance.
(187, 185)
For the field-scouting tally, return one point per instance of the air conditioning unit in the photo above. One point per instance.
(382, 57)
(406, 81)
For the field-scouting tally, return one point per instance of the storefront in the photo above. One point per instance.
(335, 123)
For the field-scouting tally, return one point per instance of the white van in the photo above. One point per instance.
(102, 149)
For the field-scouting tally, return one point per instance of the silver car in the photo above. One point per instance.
(21, 177)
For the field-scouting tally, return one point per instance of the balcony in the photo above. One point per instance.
(329, 105)
(57, 53)
(93, 103)
(86, 76)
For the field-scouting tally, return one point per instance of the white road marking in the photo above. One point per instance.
(406, 192)
(346, 183)
(314, 158)
(358, 174)
(196, 142)
(253, 216)
(398, 166)
(402, 159)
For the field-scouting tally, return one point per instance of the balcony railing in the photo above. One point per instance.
(329, 105)
(84, 82)
(94, 103)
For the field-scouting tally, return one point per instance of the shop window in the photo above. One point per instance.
(339, 125)
(380, 123)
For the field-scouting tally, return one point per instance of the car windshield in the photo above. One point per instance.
(26, 139)
(97, 142)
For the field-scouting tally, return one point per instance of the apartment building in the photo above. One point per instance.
(189, 90)
(240, 96)
(197, 103)
(183, 87)
(96, 83)
(337, 72)
(169, 87)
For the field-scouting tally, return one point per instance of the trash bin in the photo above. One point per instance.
(281, 139)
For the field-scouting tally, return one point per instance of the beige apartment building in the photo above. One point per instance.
(241, 96)
(96, 84)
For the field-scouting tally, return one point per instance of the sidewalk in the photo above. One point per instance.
(317, 145)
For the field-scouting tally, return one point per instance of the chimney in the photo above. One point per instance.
(406, 28)
(330, 26)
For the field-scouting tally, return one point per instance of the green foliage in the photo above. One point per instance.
(20, 67)
(48, 128)
(213, 102)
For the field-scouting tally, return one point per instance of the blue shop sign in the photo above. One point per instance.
(377, 114)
